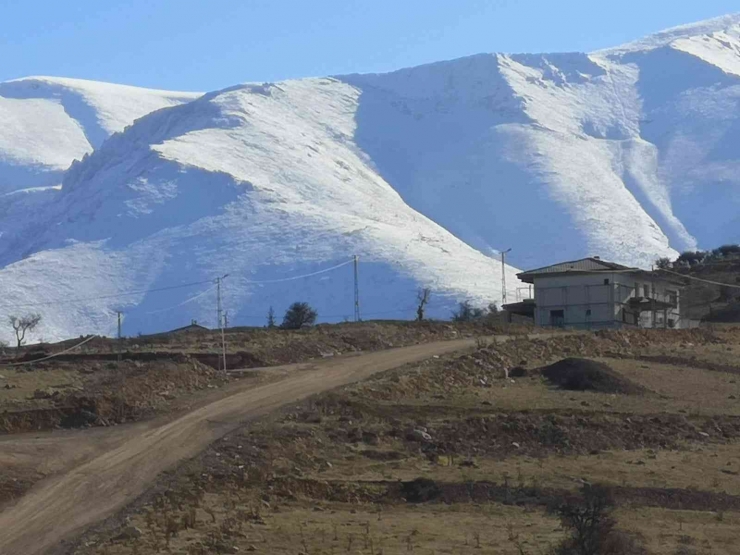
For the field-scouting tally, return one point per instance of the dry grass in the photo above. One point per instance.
(699, 533)
(341, 528)
(323, 478)
(645, 468)
(23, 383)
(683, 388)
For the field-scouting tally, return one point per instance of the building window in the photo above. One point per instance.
(606, 281)
(588, 312)
(557, 318)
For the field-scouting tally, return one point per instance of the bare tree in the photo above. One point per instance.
(271, 318)
(24, 324)
(422, 297)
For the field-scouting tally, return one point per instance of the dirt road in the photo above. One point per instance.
(63, 506)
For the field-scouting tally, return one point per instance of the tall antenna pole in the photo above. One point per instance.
(503, 277)
(218, 302)
(357, 290)
(119, 335)
(221, 318)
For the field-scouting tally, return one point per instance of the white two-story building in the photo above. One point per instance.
(594, 294)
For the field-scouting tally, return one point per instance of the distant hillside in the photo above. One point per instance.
(707, 301)
(424, 173)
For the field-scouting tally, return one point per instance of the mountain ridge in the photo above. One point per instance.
(426, 173)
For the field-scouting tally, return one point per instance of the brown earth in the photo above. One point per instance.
(578, 374)
(81, 394)
(105, 483)
(449, 455)
(338, 472)
(107, 382)
(270, 347)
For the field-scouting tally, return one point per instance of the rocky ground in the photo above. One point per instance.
(109, 382)
(470, 453)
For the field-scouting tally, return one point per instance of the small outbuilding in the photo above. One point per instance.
(595, 294)
(194, 326)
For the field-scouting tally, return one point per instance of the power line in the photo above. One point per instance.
(700, 279)
(503, 276)
(191, 299)
(103, 297)
(357, 289)
(220, 280)
(55, 354)
(83, 300)
(257, 282)
(254, 318)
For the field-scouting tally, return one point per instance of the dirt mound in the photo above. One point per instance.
(580, 374)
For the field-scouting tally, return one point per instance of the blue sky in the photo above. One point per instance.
(210, 44)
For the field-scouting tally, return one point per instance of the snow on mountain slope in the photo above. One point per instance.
(627, 153)
(689, 89)
(521, 151)
(700, 31)
(48, 122)
(260, 182)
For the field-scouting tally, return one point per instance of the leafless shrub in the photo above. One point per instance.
(592, 527)
(422, 298)
(23, 325)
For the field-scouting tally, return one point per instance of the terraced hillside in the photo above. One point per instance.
(451, 455)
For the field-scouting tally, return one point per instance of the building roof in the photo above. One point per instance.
(587, 265)
(592, 265)
(193, 326)
(523, 308)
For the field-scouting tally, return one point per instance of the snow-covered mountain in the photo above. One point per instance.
(629, 153)
(48, 122)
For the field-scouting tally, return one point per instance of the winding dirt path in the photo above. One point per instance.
(117, 472)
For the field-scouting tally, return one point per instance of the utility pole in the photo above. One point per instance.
(357, 290)
(219, 311)
(119, 313)
(218, 301)
(503, 277)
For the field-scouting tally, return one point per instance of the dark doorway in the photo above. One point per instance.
(557, 318)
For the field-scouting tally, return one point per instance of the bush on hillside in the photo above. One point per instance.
(664, 264)
(726, 251)
(592, 527)
(692, 258)
(298, 316)
(466, 312)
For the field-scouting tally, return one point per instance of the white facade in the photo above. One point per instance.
(598, 300)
